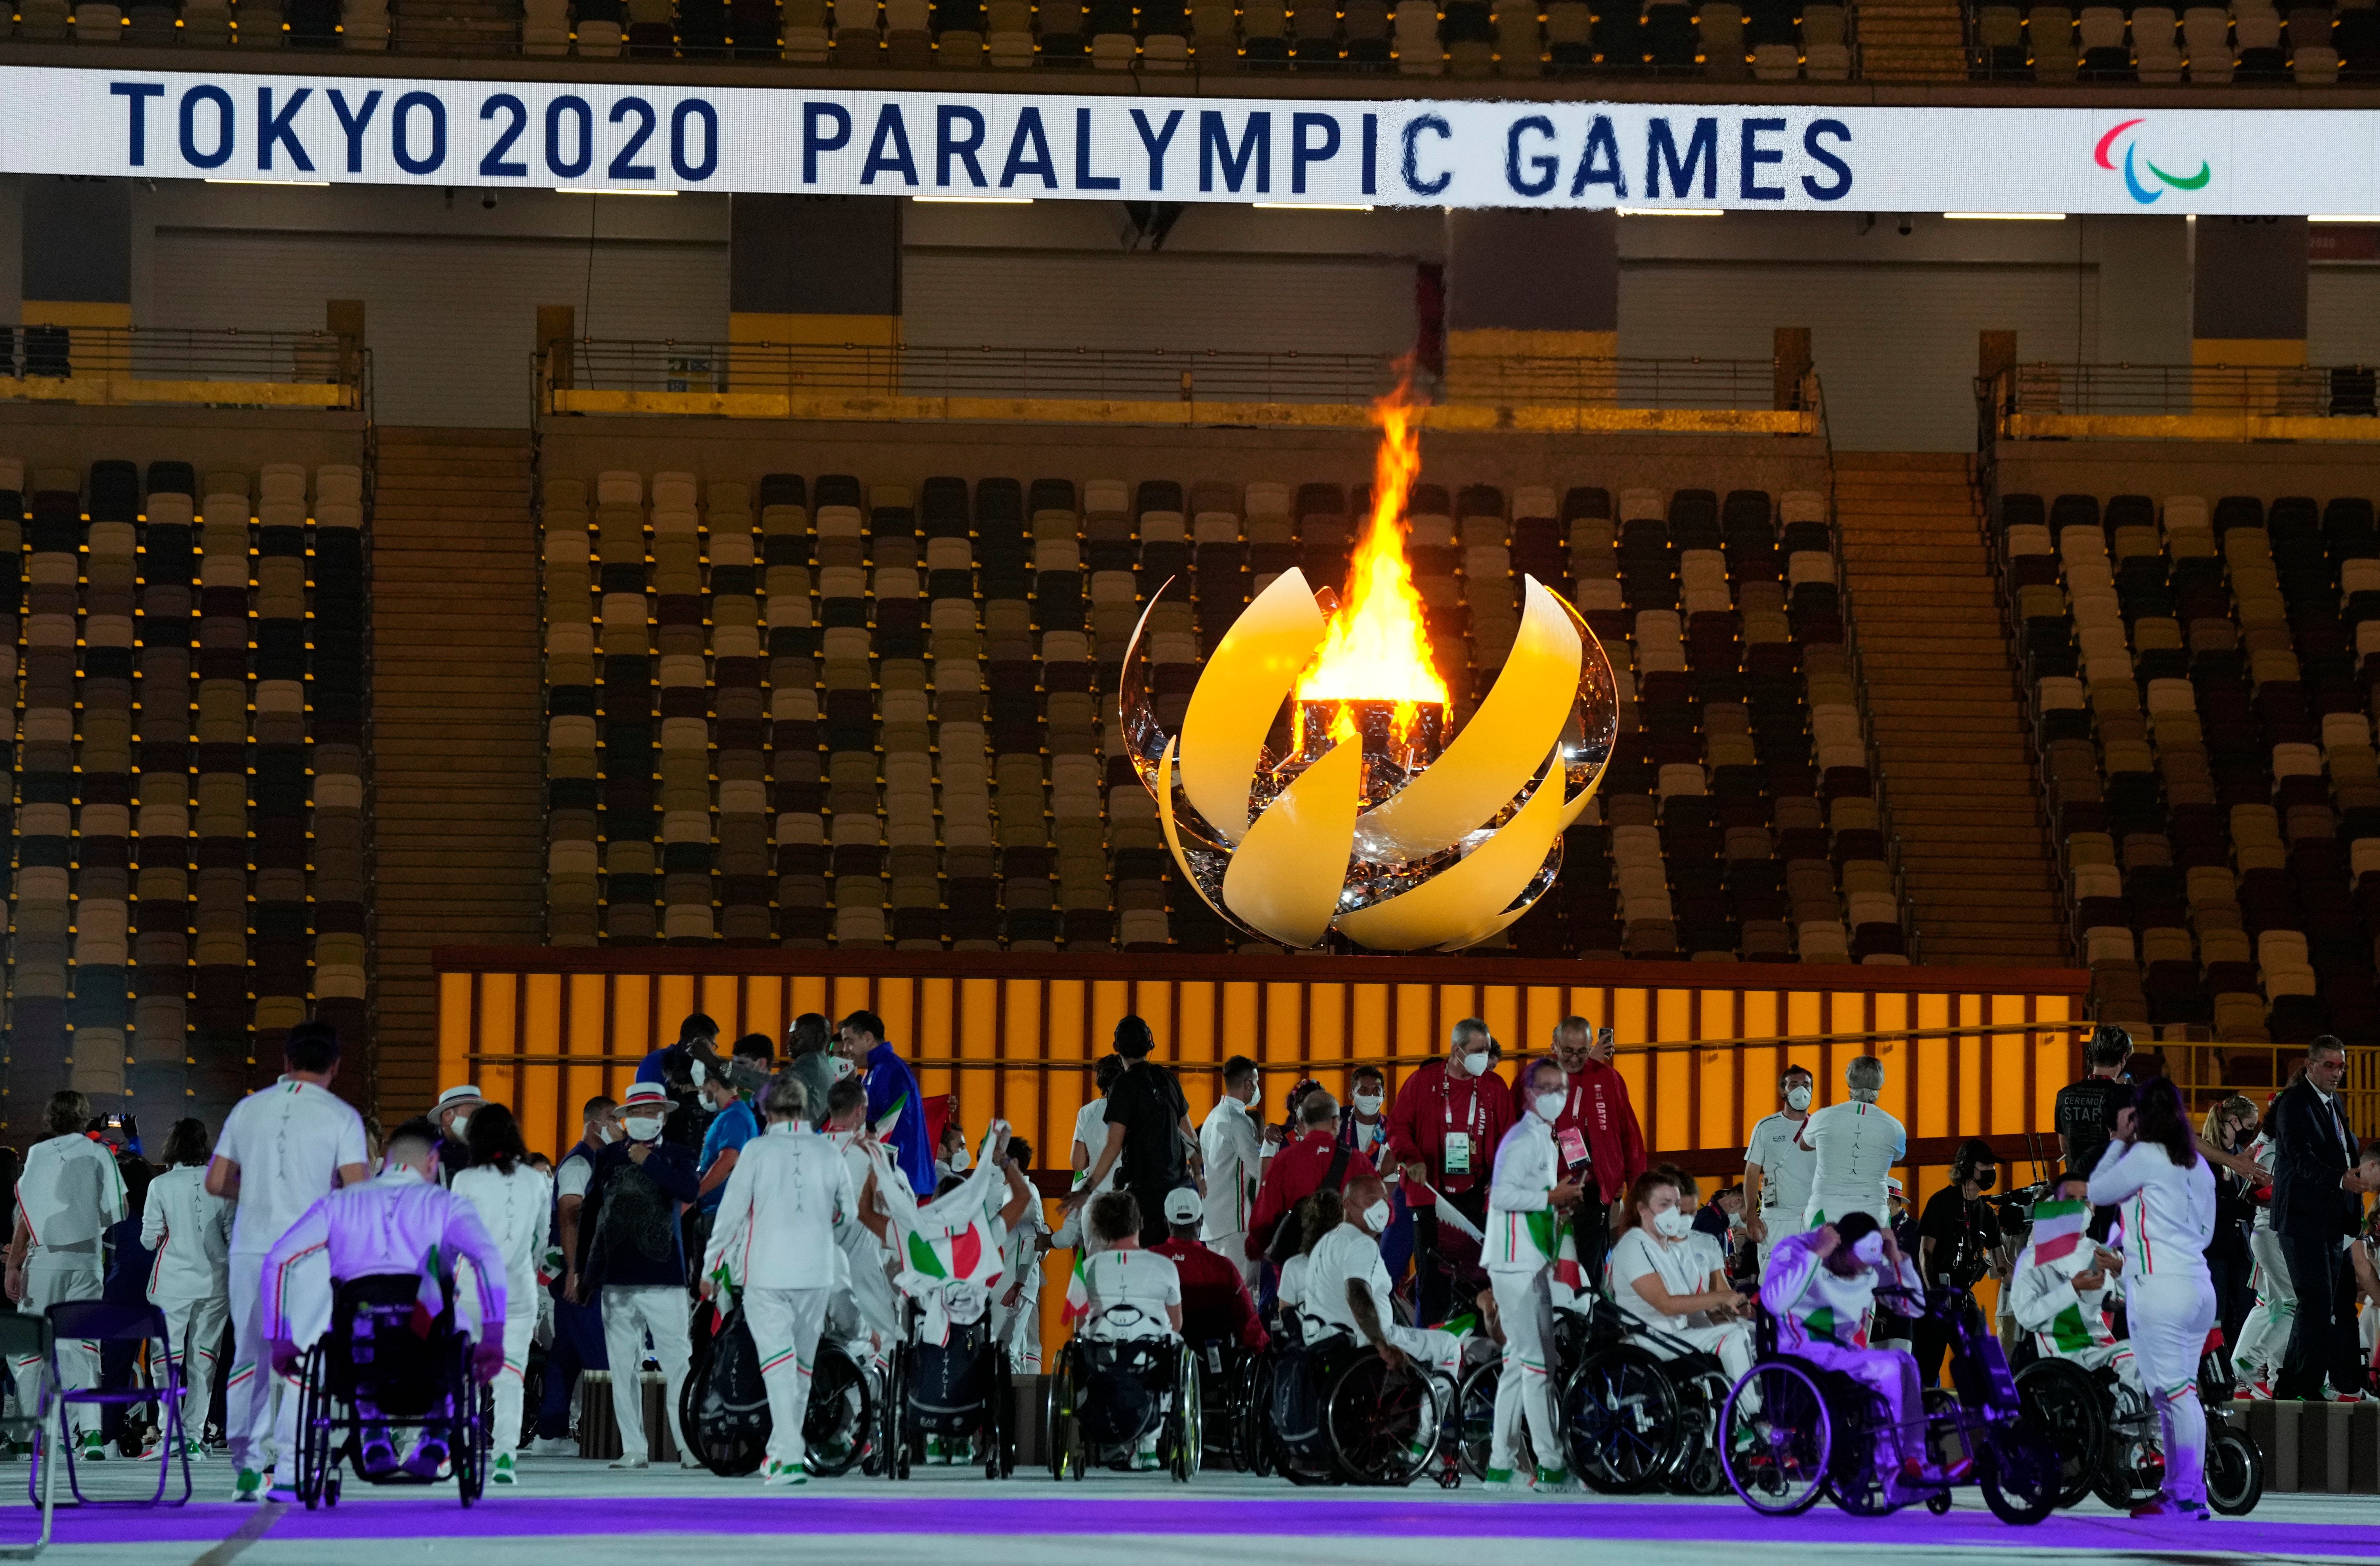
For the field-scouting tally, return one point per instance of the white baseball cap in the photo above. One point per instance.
(1183, 1206)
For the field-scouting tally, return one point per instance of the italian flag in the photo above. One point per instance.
(957, 1256)
(430, 1296)
(892, 1116)
(2057, 1231)
(1078, 1292)
(1567, 1272)
(2071, 1333)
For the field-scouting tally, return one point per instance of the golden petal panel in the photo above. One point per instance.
(1286, 875)
(1240, 691)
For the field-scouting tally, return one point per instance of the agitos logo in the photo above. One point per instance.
(2144, 194)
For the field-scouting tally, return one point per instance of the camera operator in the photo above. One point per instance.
(1958, 1241)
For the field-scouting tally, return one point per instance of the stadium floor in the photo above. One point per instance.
(664, 1518)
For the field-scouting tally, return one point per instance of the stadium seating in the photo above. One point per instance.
(166, 927)
(939, 768)
(2201, 701)
(1772, 40)
(2252, 42)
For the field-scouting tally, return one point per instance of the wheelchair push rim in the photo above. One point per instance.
(1189, 1433)
(1381, 1422)
(1620, 1421)
(1776, 1437)
(2058, 1401)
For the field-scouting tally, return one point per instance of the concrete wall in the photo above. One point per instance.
(2157, 469)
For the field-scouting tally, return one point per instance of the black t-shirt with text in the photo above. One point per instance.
(2086, 1118)
(1147, 1103)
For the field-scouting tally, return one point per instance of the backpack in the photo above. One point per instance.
(1285, 1236)
(950, 1382)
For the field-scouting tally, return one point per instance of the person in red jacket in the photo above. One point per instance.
(1300, 1167)
(1215, 1304)
(1599, 1123)
(1447, 1120)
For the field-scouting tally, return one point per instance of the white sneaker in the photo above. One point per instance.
(784, 1474)
(631, 1462)
(552, 1446)
(502, 1472)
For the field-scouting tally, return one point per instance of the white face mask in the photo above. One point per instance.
(1475, 1063)
(1368, 1103)
(1549, 1106)
(700, 1073)
(1870, 1248)
(643, 1128)
(959, 1161)
(1797, 1098)
(1673, 1224)
(841, 1068)
(1376, 1218)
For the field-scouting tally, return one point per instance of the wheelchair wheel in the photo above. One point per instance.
(2063, 1406)
(1000, 1460)
(842, 1411)
(1382, 1423)
(730, 1454)
(1476, 1422)
(1058, 1426)
(2021, 1476)
(315, 1454)
(1696, 1469)
(469, 1450)
(2235, 1473)
(2131, 1467)
(892, 1434)
(1619, 1420)
(1775, 1438)
(1187, 1432)
(1251, 1393)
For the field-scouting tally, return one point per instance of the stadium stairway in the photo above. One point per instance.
(1912, 40)
(457, 732)
(1950, 739)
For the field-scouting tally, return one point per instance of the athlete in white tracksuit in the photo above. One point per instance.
(2265, 1336)
(282, 1149)
(190, 1232)
(2169, 1217)
(1823, 1315)
(1522, 1222)
(1231, 1149)
(1857, 1145)
(68, 1198)
(513, 1206)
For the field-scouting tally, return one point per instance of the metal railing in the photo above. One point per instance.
(1150, 375)
(2153, 391)
(223, 369)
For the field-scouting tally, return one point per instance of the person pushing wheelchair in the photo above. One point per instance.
(1820, 1288)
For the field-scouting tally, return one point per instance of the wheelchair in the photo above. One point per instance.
(2109, 1442)
(1106, 1395)
(371, 1373)
(1639, 1410)
(954, 1391)
(731, 1437)
(1792, 1431)
(1339, 1414)
(1231, 1402)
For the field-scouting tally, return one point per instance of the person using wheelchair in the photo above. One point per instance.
(777, 1239)
(1347, 1290)
(1129, 1298)
(1663, 1280)
(2064, 1282)
(1820, 1289)
(402, 1227)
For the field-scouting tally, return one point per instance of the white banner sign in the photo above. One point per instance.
(1055, 146)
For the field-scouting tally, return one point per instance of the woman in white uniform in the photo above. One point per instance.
(2256, 1359)
(513, 1201)
(69, 1196)
(191, 1283)
(2167, 1193)
(1661, 1276)
(1857, 1146)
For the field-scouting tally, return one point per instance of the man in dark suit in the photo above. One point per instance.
(2316, 1208)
